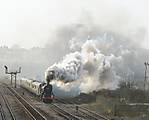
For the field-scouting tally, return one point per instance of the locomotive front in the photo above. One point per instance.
(47, 95)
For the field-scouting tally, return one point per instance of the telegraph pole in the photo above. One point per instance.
(13, 75)
(145, 77)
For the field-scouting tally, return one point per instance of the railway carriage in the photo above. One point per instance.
(32, 85)
(36, 88)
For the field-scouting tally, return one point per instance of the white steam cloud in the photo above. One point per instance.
(87, 69)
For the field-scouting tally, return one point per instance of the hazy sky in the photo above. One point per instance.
(31, 23)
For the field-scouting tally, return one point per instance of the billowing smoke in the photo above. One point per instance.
(100, 49)
(94, 64)
(69, 69)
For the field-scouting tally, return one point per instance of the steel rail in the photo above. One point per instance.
(2, 112)
(65, 113)
(35, 115)
(94, 114)
(8, 107)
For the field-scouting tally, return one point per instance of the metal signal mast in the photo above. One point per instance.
(146, 77)
(13, 74)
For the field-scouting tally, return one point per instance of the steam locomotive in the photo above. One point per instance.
(37, 88)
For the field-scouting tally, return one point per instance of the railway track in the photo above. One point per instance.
(8, 107)
(19, 106)
(34, 114)
(94, 115)
(67, 115)
(56, 109)
(5, 109)
(84, 113)
(69, 110)
(2, 113)
(70, 113)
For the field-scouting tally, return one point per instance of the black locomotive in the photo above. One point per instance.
(47, 94)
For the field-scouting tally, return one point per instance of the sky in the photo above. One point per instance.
(30, 23)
